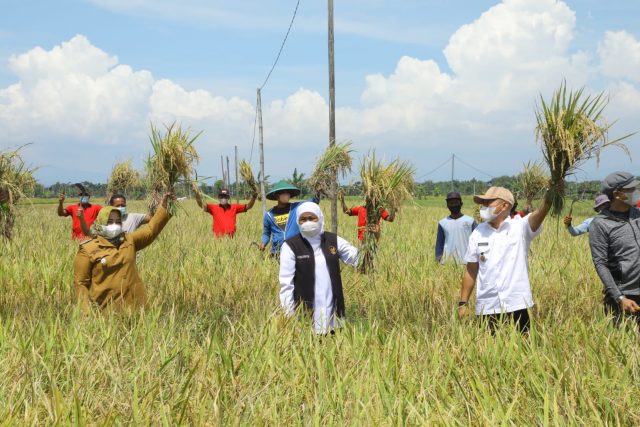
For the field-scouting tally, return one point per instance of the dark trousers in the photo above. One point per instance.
(519, 318)
(612, 308)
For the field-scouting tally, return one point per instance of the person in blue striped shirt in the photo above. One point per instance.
(454, 231)
(602, 203)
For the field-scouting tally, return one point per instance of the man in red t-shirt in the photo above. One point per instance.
(361, 213)
(89, 211)
(224, 213)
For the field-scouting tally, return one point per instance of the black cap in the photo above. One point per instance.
(617, 181)
(453, 195)
(224, 193)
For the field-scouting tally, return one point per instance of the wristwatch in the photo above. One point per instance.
(620, 298)
(462, 303)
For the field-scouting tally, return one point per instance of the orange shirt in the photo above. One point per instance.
(361, 213)
(224, 219)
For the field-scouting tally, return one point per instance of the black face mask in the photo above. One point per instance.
(455, 210)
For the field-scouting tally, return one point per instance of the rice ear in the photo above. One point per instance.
(334, 161)
(171, 161)
(385, 186)
(571, 130)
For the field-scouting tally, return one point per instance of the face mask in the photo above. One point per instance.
(488, 213)
(310, 229)
(455, 210)
(111, 231)
(84, 200)
(632, 198)
(223, 201)
(123, 211)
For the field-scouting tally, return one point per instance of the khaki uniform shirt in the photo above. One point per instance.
(107, 275)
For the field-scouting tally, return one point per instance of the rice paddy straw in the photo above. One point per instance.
(16, 182)
(385, 187)
(124, 178)
(532, 181)
(335, 161)
(246, 172)
(571, 129)
(172, 159)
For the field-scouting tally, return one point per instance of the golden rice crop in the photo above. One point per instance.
(16, 182)
(335, 161)
(571, 129)
(171, 161)
(123, 179)
(246, 172)
(384, 186)
(533, 180)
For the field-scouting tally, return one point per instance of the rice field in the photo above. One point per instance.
(212, 349)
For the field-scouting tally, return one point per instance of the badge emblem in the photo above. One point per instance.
(333, 250)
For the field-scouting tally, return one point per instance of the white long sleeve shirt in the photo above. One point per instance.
(323, 304)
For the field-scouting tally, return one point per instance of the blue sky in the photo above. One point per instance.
(415, 79)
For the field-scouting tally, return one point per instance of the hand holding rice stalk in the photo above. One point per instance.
(336, 160)
(571, 130)
(533, 180)
(124, 178)
(384, 187)
(16, 182)
(247, 176)
(173, 158)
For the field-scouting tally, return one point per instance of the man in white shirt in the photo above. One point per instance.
(130, 221)
(497, 260)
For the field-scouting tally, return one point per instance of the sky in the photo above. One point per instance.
(81, 81)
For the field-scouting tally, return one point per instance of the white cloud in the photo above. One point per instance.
(620, 55)
(77, 99)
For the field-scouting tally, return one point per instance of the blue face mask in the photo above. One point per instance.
(84, 200)
(123, 211)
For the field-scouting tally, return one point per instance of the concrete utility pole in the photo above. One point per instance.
(224, 174)
(262, 192)
(453, 166)
(332, 121)
(237, 179)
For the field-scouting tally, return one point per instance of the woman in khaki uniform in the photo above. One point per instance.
(105, 267)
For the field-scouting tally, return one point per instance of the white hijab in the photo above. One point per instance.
(314, 208)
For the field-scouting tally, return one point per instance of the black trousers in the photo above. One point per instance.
(612, 308)
(519, 318)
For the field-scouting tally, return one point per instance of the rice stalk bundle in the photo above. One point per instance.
(170, 162)
(571, 129)
(532, 181)
(124, 178)
(385, 186)
(246, 172)
(335, 161)
(16, 182)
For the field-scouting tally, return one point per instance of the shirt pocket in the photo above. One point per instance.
(483, 249)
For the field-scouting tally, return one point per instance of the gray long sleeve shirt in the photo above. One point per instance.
(615, 248)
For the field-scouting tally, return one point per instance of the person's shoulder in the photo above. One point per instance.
(89, 245)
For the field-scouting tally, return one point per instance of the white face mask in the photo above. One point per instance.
(310, 229)
(223, 201)
(111, 231)
(488, 213)
(632, 198)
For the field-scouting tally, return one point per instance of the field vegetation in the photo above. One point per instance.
(212, 348)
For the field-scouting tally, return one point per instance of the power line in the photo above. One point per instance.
(255, 121)
(295, 12)
(475, 168)
(436, 169)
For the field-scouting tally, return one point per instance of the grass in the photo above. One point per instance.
(211, 349)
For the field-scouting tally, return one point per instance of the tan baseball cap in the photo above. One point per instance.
(496, 193)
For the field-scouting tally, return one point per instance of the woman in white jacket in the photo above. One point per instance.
(310, 269)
